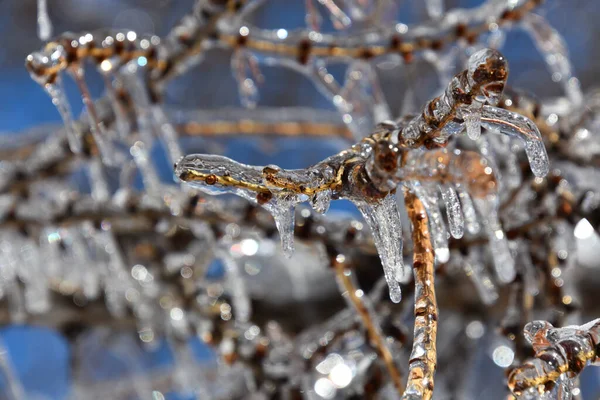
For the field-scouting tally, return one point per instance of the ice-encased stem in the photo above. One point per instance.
(521, 127)
(383, 219)
(423, 358)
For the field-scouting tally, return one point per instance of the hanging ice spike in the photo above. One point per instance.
(384, 221)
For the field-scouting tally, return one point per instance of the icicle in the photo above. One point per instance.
(141, 149)
(284, 214)
(121, 119)
(141, 157)
(242, 307)
(504, 265)
(117, 276)
(476, 271)
(469, 213)
(439, 233)
(384, 221)
(100, 187)
(241, 61)
(453, 209)
(56, 92)
(473, 124)
(320, 201)
(435, 8)
(528, 270)
(168, 133)
(523, 128)
(96, 126)
(43, 20)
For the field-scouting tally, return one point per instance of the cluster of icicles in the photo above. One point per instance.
(279, 191)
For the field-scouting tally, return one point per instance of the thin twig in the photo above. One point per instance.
(358, 300)
(423, 359)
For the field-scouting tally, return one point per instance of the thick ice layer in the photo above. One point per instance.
(384, 221)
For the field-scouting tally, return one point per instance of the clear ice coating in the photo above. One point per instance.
(524, 129)
(43, 20)
(383, 219)
(453, 209)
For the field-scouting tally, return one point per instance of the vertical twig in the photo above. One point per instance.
(359, 302)
(423, 359)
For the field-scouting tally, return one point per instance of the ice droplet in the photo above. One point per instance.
(473, 123)
(453, 209)
(43, 20)
(383, 219)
